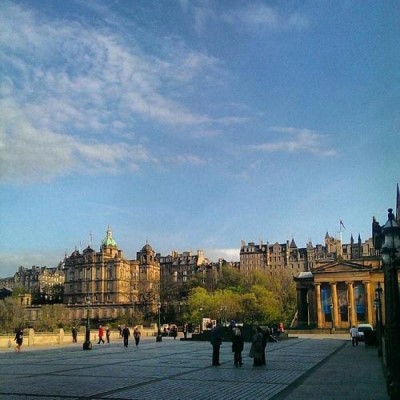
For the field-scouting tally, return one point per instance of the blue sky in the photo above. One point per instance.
(194, 124)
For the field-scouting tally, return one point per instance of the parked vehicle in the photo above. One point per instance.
(362, 328)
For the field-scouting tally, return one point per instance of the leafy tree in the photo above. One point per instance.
(11, 314)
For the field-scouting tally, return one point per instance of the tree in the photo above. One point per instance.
(11, 314)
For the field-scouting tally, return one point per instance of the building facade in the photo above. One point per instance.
(42, 282)
(338, 294)
(178, 268)
(287, 257)
(107, 278)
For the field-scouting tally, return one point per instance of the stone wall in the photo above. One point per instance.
(61, 337)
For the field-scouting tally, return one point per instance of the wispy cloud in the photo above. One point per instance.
(31, 155)
(259, 17)
(300, 141)
(79, 93)
(251, 17)
(189, 159)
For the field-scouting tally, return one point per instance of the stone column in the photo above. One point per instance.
(319, 308)
(335, 305)
(368, 300)
(351, 303)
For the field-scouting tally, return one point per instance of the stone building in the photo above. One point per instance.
(338, 293)
(42, 282)
(112, 283)
(180, 267)
(287, 257)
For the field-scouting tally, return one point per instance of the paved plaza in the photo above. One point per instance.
(297, 368)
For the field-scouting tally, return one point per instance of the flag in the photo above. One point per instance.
(342, 224)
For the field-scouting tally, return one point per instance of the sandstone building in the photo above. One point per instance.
(112, 283)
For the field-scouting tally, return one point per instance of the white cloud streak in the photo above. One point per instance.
(259, 18)
(300, 141)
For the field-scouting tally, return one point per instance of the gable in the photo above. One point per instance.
(340, 267)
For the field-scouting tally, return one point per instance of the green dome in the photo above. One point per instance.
(108, 241)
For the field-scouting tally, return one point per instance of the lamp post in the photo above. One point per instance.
(390, 252)
(333, 319)
(378, 316)
(349, 314)
(201, 319)
(87, 344)
(159, 336)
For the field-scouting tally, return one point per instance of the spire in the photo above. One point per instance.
(398, 205)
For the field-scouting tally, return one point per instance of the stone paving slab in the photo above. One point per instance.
(172, 368)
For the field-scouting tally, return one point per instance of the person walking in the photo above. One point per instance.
(354, 336)
(125, 335)
(136, 335)
(237, 346)
(216, 341)
(174, 331)
(108, 334)
(74, 334)
(256, 348)
(19, 338)
(101, 334)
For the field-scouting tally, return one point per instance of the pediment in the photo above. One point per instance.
(340, 267)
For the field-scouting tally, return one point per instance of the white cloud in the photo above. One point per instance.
(28, 154)
(71, 93)
(226, 254)
(186, 159)
(259, 17)
(301, 140)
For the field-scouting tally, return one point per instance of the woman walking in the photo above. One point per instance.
(19, 338)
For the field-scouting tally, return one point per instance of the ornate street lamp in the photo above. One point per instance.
(159, 336)
(87, 345)
(378, 316)
(390, 252)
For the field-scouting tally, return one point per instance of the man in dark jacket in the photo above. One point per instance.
(216, 341)
(237, 346)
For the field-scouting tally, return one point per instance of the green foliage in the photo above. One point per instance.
(11, 314)
(255, 299)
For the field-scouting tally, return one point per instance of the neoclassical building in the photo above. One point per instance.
(338, 294)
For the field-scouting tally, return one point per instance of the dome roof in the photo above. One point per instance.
(147, 248)
(108, 241)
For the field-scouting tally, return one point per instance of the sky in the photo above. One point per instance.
(194, 124)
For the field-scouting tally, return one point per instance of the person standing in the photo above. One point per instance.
(237, 346)
(136, 335)
(216, 341)
(185, 330)
(74, 334)
(256, 347)
(19, 338)
(125, 335)
(108, 334)
(354, 336)
(265, 337)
